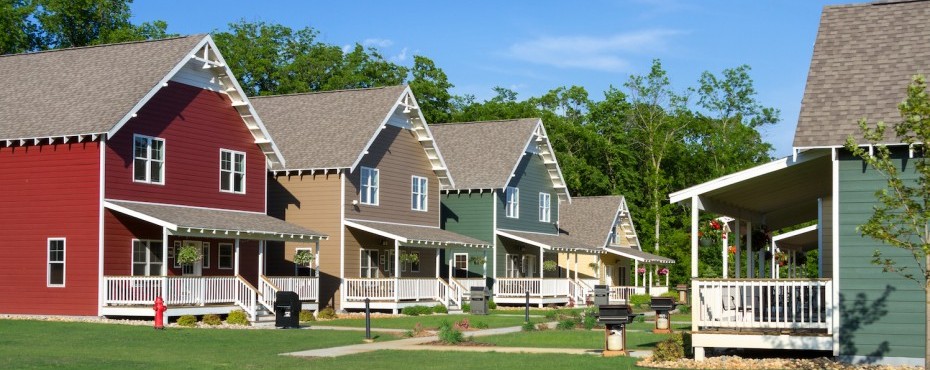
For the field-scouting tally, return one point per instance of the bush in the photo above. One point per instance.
(417, 310)
(492, 305)
(552, 315)
(684, 309)
(528, 326)
(306, 315)
(212, 320)
(450, 335)
(188, 321)
(466, 307)
(670, 349)
(481, 325)
(673, 295)
(238, 317)
(567, 324)
(590, 322)
(640, 299)
(640, 318)
(440, 309)
(327, 313)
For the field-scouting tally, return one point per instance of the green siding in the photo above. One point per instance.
(882, 313)
(531, 177)
(470, 215)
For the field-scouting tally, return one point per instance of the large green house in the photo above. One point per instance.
(864, 57)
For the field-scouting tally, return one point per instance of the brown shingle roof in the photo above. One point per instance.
(864, 57)
(482, 155)
(421, 234)
(82, 90)
(326, 129)
(558, 242)
(590, 218)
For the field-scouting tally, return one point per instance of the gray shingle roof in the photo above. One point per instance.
(640, 255)
(212, 219)
(82, 90)
(481, 155)
(423, 234)
(864, 57)
(326, 129)
(558, 242)
(590, 218)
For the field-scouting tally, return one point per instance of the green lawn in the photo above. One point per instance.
(471, 361)
(429, 321)
(588, 339)
(40, 344)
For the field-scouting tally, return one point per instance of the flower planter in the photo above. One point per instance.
(705, 242)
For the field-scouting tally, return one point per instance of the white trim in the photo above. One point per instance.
(512, 203)
(232, 171)
(376, 194)
(184, 206)
(794, 233)
(524, 240)
(149, 159)
(63, 262)
(531, 232)
(793, 342)
(147, 244)
(394, 223)
(539, 128)
(139, 215)
(375, 231)
(219, 255)
(740, 176)
(101, 288)
(619, 251)
(423, 196)
(548, 207)
(455, 268)
(342, 240)
(205, 253)
(835, 258)
(494, 236)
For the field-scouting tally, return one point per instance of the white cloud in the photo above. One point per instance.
(610, 53)
(380, 43)
(400, 57)
(346, 48)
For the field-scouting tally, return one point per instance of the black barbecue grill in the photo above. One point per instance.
(662, 304)
(615, 314)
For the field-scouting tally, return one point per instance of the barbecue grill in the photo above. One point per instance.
(662, 306)
(615, 317)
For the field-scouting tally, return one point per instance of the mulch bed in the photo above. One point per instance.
(736, 362)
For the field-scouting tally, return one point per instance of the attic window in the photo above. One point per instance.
(148, 159)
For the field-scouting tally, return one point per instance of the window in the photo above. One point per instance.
(149, 159)
(225, 258)
(513, 202)
(368, 265)
(206, 255)
(418, 194)
(369, 188)
(461, 265)
(413, 264)
(514, 265)
(56, 262)
(612, 239)
(146, 257)
(544, 207)
(232, 171)
(177, 248)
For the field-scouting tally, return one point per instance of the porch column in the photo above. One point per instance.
(396, 272)
(316, 259)
(541, 256)
(739, 245)
(261, 258)
(726, 257)
(597, 270)
(772, 263)
(651, 269)
(164, 267)
(236, 259)
(438, 265)
(576, 266)
(635, 273)
(484, 265)
(694, 236)
(749, 273)
(666, 278)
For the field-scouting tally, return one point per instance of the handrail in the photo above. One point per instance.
(267, 293)
(449, 292)
(247, 297)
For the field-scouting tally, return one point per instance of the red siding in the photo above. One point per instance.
(119, 231)
(49, 191)
(195, 124)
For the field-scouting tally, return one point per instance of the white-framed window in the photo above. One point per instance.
(206, 255)
(224, 260)
(148, 163)
(368, 264)
(146, 257)
(460, 264)
(545, 210)
(56, 262)
(412, 266)
(612, 239)
(232, 171)
(174, 253)
(514, 265)
(368, 191)
(418, 197)
(512, 209)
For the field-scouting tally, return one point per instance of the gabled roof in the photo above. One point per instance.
(864, 58)
(93, 91)
(559, 242)
(413, 235)
(484, 155)
(334, 129)
(592, 219)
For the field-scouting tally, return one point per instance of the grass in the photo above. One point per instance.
(585, 339)
(472, 361)
(41, 344)
(428, 321)
(533, 311)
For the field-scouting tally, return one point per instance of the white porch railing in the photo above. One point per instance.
(307, 287)
(267, 293)
(466, 284)
(755, 303)
(181, 290)
(247, 297)
(450, 293)
(394, 289)
(517, 287)
(623, 293)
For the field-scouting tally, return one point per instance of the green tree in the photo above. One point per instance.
(431, 87)
(18, 32)
(70, 23)
(901, 216)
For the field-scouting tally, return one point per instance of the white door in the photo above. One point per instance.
(529, 266)
(609, 277)
(196, 268)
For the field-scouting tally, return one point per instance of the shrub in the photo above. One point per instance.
(466, 307)
(463, 325)
(640, 299)
(684, 309)
(670, 349)
(673, 295)
(440, 309)
(306, 315)
(589, 322)
(417, 310)
(237, 317)
(528, 326)
(212, 320)
(567, 324)
(640, 318)
(492, 305)
(450, 335)
(327, 313)
(188, 321)
(481, 325)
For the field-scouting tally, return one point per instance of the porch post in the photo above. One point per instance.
(749, 249)
(597, 271)
(261, 258)
(651, 269)
(739, 246)
(164, 266)
(635, 273)
(576, 266)
(396, 271)
(484, 265)
(726, 257)
(541, 255)
(694, 236)
(316, 259)
(437, 265)
(236, 262)
(666, 278)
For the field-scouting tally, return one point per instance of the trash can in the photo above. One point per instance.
(478, 299)
(601, 295)
(286, 309)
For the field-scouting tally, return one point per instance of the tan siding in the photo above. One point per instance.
(357, 240)
(398, 155)
(827, 227)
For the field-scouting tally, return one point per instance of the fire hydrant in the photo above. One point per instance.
(159, 313)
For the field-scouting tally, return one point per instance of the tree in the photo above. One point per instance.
(70, 23)
(431, 87)
(18, 32)
(901, 216)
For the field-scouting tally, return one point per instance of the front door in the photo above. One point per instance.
(529, 266)
(460, 264)
(609, 277)
(196, 268)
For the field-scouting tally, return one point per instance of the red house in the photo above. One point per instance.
(115, 158)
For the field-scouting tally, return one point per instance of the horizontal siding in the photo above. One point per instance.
(49, 191)
(881, 313)
(470, 215)
(195, 124)
(531, 178)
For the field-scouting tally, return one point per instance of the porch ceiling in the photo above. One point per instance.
(216, 223)
(779, 193)
(638, 255)
(560, 242)
(803, 239)
(417, 236)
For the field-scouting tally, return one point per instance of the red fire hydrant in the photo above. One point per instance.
(159, 313)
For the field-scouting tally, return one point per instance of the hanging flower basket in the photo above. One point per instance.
(641, 270)
(663, 271)
(189, 255)
(478, 260)
(550, 265)
(732, 249)
(410, 258)
(303, 258)
(706, 241)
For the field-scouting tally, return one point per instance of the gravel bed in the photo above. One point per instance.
(736, 362)
(135, 322)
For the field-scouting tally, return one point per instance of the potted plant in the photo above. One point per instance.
(663, 271)
(478, 260)
(189, 255)
(641, 271)
(303, 258)
(710, 233)
(550, 266)
(410, 258)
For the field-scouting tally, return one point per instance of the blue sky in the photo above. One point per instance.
(534, 46)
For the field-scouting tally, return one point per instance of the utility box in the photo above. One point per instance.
(601, 295)
(287, 309)
(478, 300)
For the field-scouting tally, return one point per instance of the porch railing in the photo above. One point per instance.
(307, 287)
(176, 290)
(656, 291)
(393, 289)
(623, 293)
(267, 293)
(517, 287)
(450, 293)
(759, 303)
(247, 297)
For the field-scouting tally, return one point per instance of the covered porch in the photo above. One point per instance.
(399, 266)
(648, 275)
(759, 298)
(140, 261)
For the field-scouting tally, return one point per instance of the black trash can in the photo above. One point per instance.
(601, 295)
(478, 299)
(287, 309)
